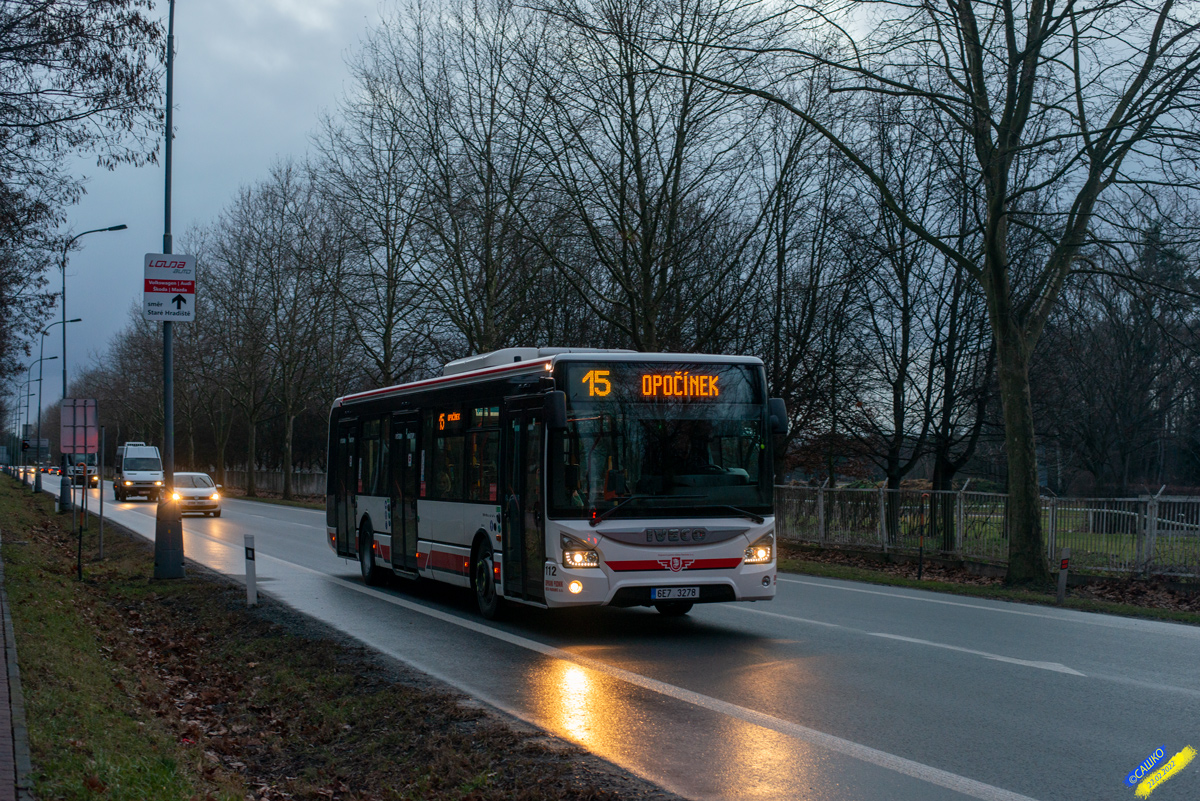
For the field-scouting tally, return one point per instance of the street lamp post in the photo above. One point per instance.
(37, 478)
(26, 397)
(168, 526)
(65, 484)
(37, 474)
(17, 418)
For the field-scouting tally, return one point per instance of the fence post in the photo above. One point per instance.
(821, 515)
(1052, 524)
(883, 519)
(1151, 533)
(958, 523)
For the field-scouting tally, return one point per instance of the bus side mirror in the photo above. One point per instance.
(777, 409)
(555, 410)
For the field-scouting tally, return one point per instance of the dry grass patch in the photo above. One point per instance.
(143, 690)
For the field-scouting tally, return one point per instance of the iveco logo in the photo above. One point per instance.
(676, 534)
(677, 563)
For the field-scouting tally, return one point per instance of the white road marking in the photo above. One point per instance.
(1088, 618)
(1055, 666)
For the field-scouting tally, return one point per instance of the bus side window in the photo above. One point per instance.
(373, 464)
(483, 450)
(447, 446)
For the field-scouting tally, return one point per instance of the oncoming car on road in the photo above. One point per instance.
(196, 492)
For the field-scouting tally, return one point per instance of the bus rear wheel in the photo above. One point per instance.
(371, 574)
(674, 608)
(483, 578)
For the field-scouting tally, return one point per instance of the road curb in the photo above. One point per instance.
(20, 734)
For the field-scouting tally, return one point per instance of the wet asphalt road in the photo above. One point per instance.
(835, 690)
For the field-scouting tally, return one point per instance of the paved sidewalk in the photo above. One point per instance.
(15, 768)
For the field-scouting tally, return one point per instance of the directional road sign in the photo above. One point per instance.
(170, 291)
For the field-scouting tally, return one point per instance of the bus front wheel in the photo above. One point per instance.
(483, 578)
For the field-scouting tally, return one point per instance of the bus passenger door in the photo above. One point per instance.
(405, 469)
(523, 507)
(347, 478)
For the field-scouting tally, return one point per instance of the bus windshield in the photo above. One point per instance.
(659, 456)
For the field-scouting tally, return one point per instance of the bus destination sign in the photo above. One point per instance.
(659, 382)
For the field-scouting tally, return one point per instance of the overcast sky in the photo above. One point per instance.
(251, 78)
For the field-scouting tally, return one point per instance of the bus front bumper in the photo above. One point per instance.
(601, 587)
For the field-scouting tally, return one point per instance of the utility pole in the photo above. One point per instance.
(168, 528)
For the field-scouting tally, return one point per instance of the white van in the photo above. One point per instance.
(139, 472)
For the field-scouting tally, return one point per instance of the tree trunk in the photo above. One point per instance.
(251, 486)
(289, 424)
(941, 513)
(1026, 551)
(221, 443)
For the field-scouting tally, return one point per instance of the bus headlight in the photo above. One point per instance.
(158, 483)
(760, 551)
(578, 554)
(581, 559)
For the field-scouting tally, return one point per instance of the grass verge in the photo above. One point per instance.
(800, 561)
(137, 689)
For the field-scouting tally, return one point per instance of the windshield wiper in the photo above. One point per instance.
(595, 521)
(742, 512)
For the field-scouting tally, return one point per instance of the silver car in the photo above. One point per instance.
(196, 492)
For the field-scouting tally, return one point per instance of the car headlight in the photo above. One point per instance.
(761, 550)
(129, 483)
(214, 497)
(174, 496)
(158, 483)
(577, 554)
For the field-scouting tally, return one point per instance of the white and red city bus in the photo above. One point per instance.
(564, 477)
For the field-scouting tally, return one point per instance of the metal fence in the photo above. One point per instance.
(1159, 535)
(305, 483)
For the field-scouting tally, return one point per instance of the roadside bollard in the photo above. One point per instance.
(1062, 575)
(251, 578)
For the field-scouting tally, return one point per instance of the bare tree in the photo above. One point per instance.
(76, 76)
(366, 172)
(1050, 107)
(656, 168)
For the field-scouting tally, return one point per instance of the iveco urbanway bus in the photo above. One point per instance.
(564, 477)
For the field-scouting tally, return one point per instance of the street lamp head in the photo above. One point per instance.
(60, 322)
(120, 227)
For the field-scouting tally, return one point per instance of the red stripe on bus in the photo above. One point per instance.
(652, 564)
(452, 563)
(428, 382)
